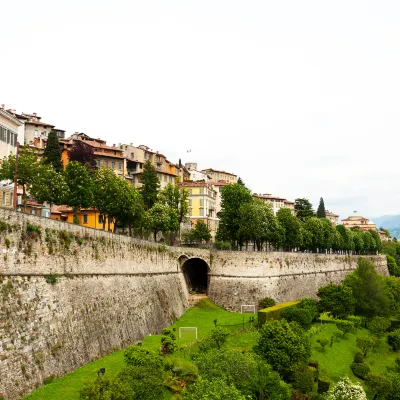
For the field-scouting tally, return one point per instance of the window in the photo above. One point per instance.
(201, 203)
(190, 202)
(106, 163)
(85, 218)
(11, 199)
(98, 163)
(4, 198)
(119, 165)
(201, 190)
(190, 192)
(100, 219)
(113, 164)
(165, 178)
(201, 212)
(33, 211)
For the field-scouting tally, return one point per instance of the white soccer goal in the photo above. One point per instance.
(186, 329)
(248, 308)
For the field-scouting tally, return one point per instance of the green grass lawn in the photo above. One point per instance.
(335, 361)
(201, 316)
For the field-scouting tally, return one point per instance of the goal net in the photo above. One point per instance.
(188, 332)
(248, 308)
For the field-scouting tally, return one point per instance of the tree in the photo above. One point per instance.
(378, 384)
(82, 153)
(347, 390)
(219, 335)
(251, 375)
(201, 232)
(177, 198)
(302, 316)
(27, 164)
(368, 290)
(161, 218)
(393, 268)
(283, 345)
(292, 228)
(52, 152)
(321, 213)
(105, 388)
(80, 186)
(365, 344)
(379, 325)
(337, 300)
(233, 197)
(49, 185)
(217, 389)
(150, 185)
(344, 326)
(316, 229)
(241, 182)
(358, 239)
(347, 238)
(304, 209)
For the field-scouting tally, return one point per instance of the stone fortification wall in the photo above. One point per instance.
(69, 295)
(238, 278)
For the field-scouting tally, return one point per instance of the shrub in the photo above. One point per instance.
(223, 245)
(311, 304)
(302, 316)
(283, 345)
(48, 380)
(137, 356)
(356, 320)
(338, 300)
(365, 344)
(359, 358)
(217, 389)
(379, 325)
(344, 326)
(304, 380)
(219, 335)
(168, 341)
(323, 385)
(273, 313)
(380, 384)
(266, 302)
(346, 390)
(360, 370)
(394, 339)
(7, 242)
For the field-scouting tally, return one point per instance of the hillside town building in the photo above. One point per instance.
(217, 176)
(276, 202)
(10, 133)
(334, 218)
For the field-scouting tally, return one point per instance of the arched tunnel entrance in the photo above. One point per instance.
(196, 275)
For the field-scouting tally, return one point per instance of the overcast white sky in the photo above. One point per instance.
(299, 98)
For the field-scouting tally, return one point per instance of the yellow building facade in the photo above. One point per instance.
(202, 204)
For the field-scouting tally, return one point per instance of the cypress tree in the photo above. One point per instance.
(150, 185)
(52, 152)
(321, 213)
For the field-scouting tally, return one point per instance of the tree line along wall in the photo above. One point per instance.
(70, 294)
(238, 278)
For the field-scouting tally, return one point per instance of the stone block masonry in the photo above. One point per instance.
(244, 278)
(70, 294)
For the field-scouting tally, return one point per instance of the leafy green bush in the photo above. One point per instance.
(302, 316)
(48, 380)
(311, 304)
(219, 335)
(105, 388)
(273, 313)
(217, 389)
(323, 342)
(303, 380)
(168, 341)
(323, 385)
(284, 345)
(394, 339)
(360, 370)
(137, 356)
(223, 245)
(365, 344)
(266, 302)
(344, 326)
(379, 325)
(359, 358)
(356, 320)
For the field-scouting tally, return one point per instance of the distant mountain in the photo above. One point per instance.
(389, 222)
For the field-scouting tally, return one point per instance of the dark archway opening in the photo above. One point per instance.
(196, 275)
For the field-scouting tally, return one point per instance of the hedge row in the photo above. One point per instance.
(270, 313)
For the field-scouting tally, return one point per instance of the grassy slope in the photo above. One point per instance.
(202, 317)
(334, 362)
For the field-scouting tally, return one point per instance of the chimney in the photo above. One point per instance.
(34, 114)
